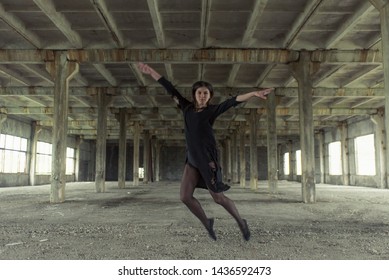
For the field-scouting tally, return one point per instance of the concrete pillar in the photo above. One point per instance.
(234, 155)
(62, 71)
(146, 156)
(122, 148)
(344, 151)
(3, 117)
(242, 155)
(35, 129)
(378, 120)
(292, 161)
(301, 71)
(383, 7)
(79, 141)
(320, 140)
(136, 154)
(101, 141)
(253, 150)
(272, 143)
(158, 146)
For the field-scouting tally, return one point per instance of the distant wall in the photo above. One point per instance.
(22, 128)
(354, 128)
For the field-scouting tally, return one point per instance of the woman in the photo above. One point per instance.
(202, 167)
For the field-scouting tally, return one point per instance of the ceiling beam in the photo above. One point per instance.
(261, 111)
(205, 18)
(310, 8)
(364, 9)
(59, 20)
(255, 17)
(19, 27)
(157, 22)
(128, 91)
(106, 74)
(44, 75)
(179, 56)
(13, 76)
(108, 20)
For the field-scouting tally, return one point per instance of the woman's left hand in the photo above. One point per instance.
(263, 93)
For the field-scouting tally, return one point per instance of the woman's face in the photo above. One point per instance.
(202, 96)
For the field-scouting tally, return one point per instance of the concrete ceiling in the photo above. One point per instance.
(235, 45)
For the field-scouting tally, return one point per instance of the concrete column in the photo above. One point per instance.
(242, 155)
(122, 148)
(35, 129)
(378, 120)
(320, 139)
(301, 71)
(79, 141)
(253, 150)
(292, 161)
(158, 146)
(146, 156)
(272, 143)
(344, 151)
(136, 154)
(3, 118)
(62, 71)
(234, 155)
(383, 7)
(101, 141)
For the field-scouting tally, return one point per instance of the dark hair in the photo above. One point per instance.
(200, 84)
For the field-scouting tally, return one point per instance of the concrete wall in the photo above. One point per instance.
(172, 161)
(355, 127)
(172, 158)
(23, 129)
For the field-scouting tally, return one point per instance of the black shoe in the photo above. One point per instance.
(210, 229)
(245, 231)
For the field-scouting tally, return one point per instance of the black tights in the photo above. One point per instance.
(189, 181)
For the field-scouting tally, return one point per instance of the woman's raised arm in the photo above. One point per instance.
(146, 69)
(259, 93)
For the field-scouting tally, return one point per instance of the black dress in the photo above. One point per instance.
(201, 151)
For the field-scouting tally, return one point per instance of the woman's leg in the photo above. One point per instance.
(229, 205)
(189, 181)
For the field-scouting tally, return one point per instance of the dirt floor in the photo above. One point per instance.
(150, 222)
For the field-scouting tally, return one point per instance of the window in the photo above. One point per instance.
(70, 160)
(141, 173)
(298, 162)
(13, 154)
(286, 164)
(335, 158)
(365, 155)
(43, 158)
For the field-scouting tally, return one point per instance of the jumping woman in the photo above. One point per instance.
(202, 168)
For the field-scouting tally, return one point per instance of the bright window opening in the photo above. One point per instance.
(70, 160)
(298, 162)
(286, 163)
(365, 155)
(43, 158)
(13, 154)
(141, 173)
(335, 158)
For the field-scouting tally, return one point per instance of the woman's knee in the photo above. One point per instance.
(219, 198)
(186, 194)
(185, 198)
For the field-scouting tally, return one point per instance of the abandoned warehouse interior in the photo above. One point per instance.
(74, 107)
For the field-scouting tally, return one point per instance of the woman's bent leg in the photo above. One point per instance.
(189, 181)
(229, 205)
